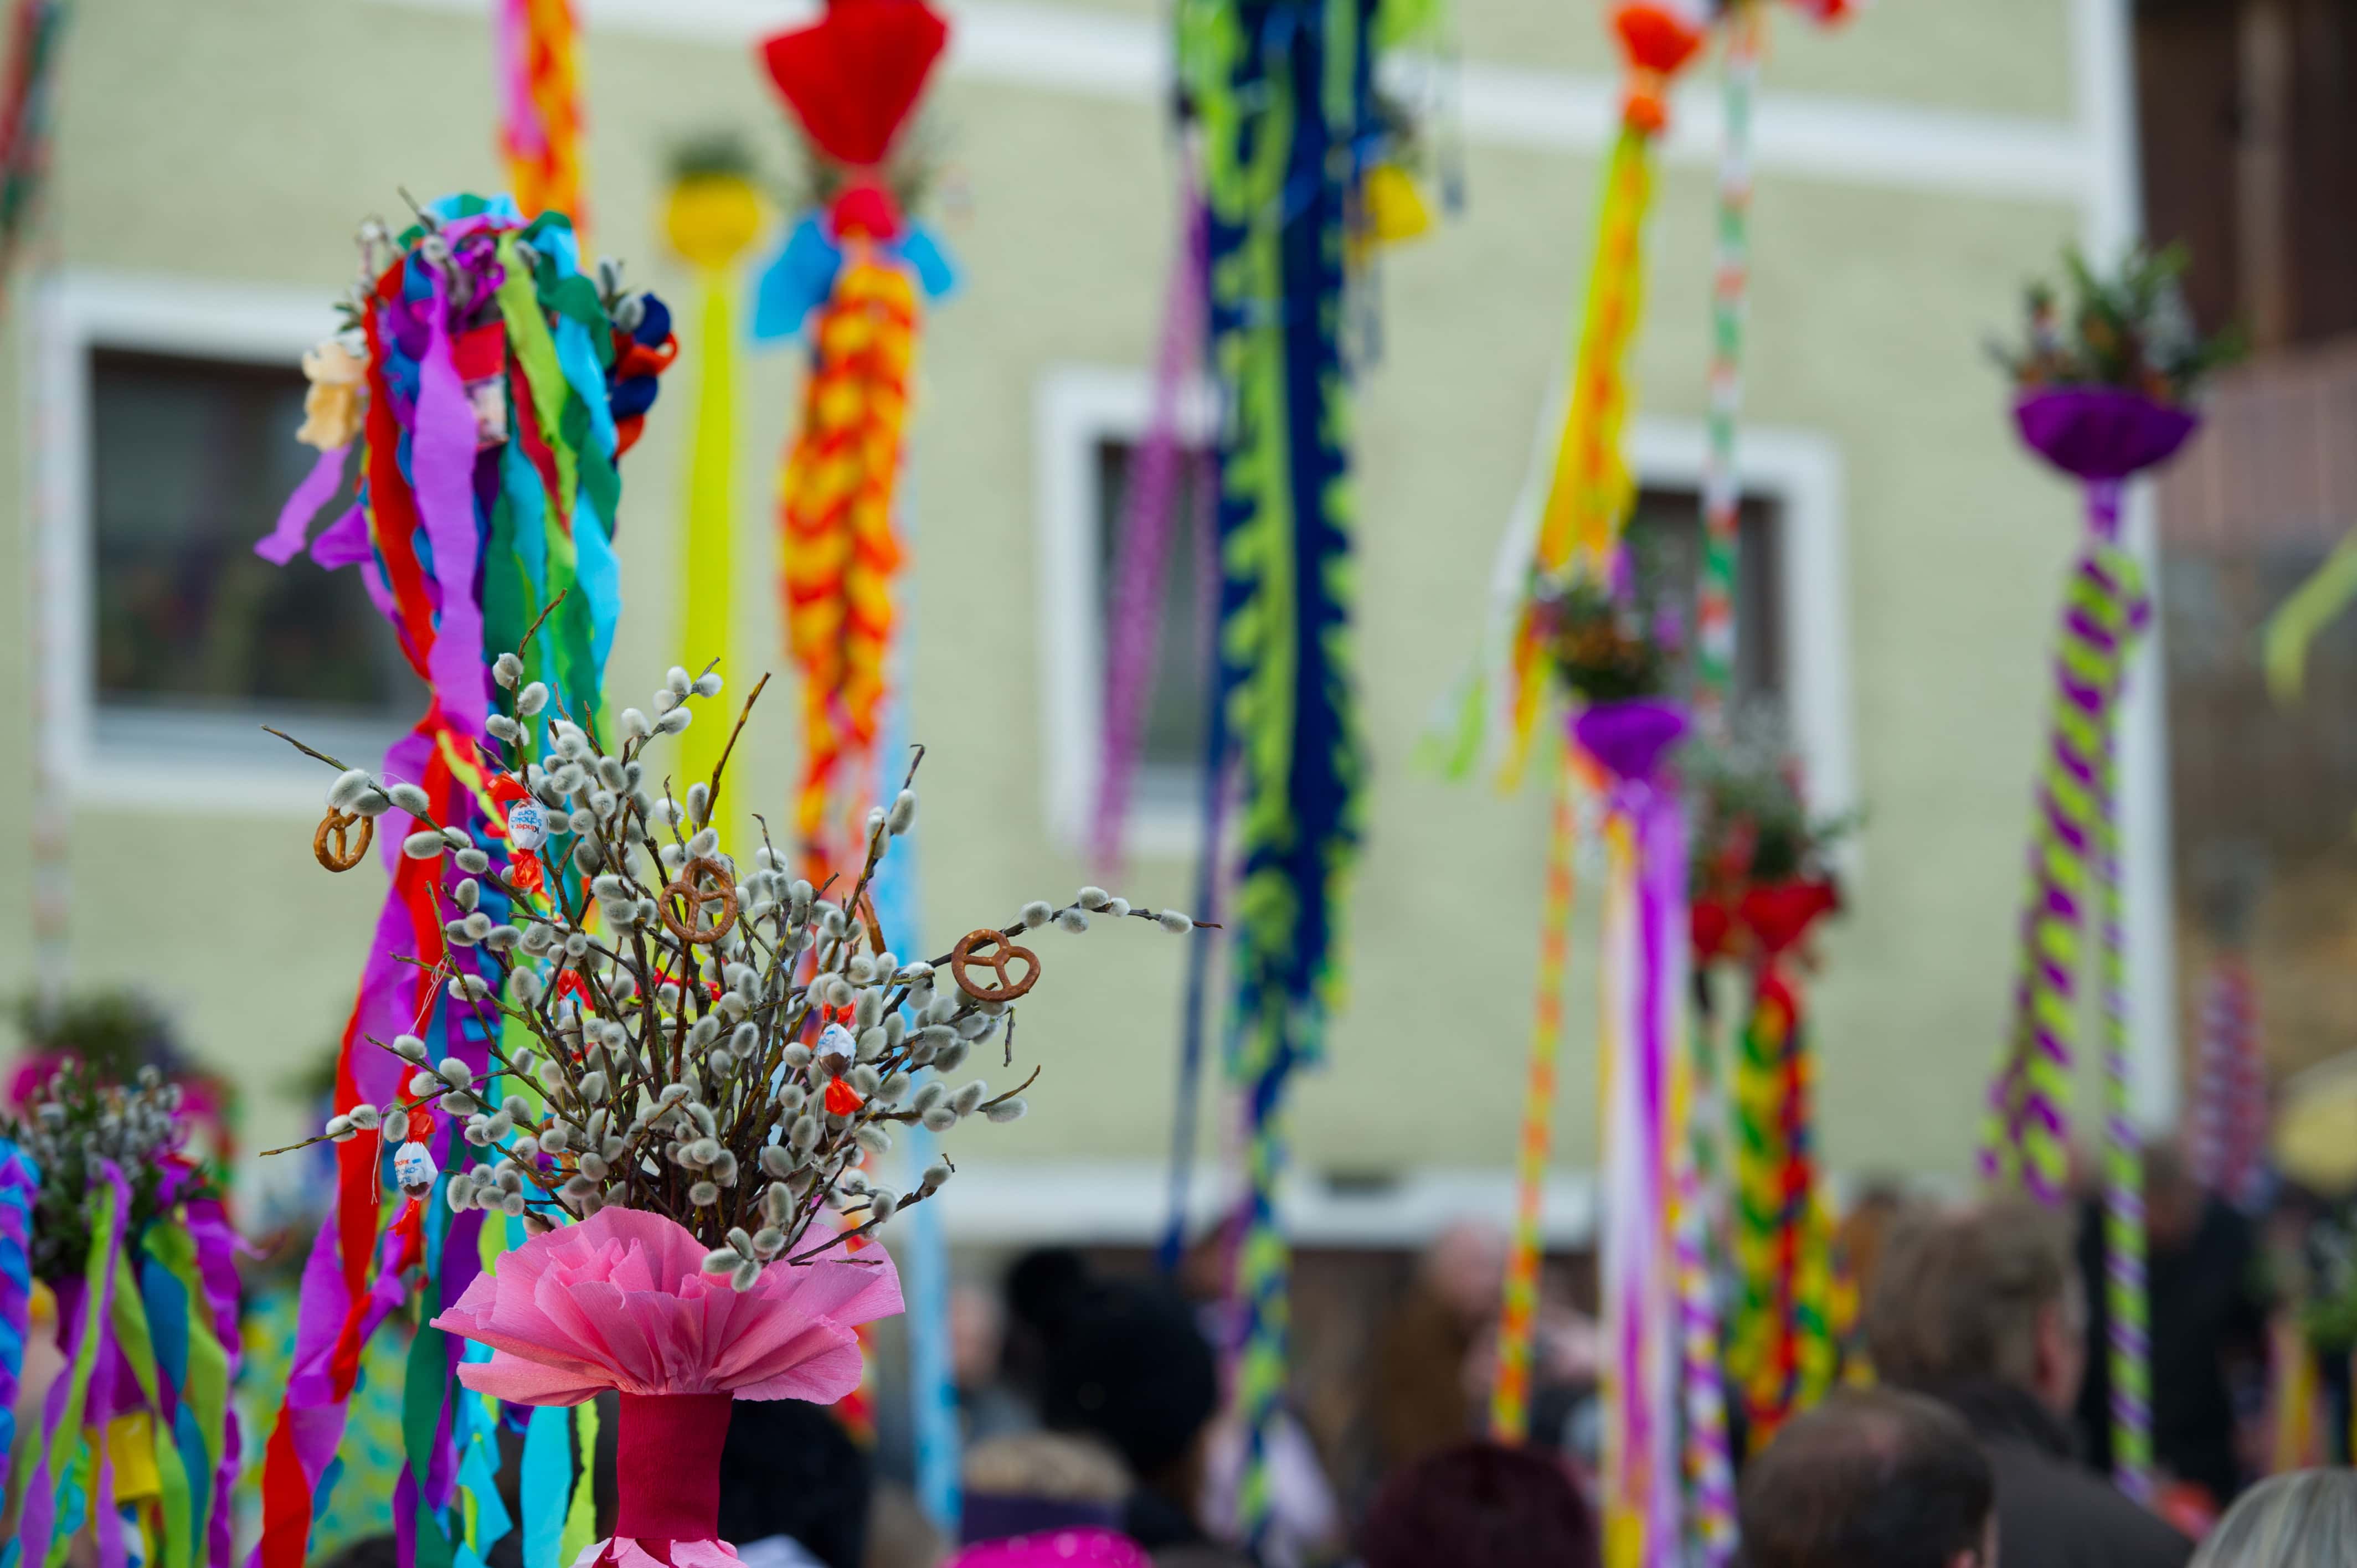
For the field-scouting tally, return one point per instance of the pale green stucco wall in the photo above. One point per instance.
(242, 143)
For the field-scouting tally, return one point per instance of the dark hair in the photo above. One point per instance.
(789, 1468)
(1871, 1478)
(1128, 1364)
(1480, 1505)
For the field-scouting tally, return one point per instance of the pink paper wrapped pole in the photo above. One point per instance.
(621, 1301)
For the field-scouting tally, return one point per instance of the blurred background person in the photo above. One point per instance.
(1982, 1309)
(795, 1490)
(1480, 1505)
(1050, 1496)
(2304, 1518)
(1422, 1401)
(1871, 1478)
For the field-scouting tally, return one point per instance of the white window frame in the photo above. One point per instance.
(1080, 406)
(1799, 472)
(75, 312)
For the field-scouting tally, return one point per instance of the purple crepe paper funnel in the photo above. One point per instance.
(2102, 433)
(1630, 738)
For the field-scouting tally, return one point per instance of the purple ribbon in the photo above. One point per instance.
(37, 1522)
(442, 463)
(1148, 514)
(318, 489)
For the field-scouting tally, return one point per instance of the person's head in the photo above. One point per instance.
(1873, 1478)
(1027, 1483)
(1465, 1269)
(977, 1336)
(1480, 1505)
(789, 1468)
(1979, 1295)
(2173, 1200)
(1127, 1365)
(2287, 1521)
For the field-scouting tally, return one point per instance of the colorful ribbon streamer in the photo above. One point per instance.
(2074, 862)
(856, 274)
(20, 1187)
(1510, 1414)
(1784, 1351)
(1283, 96)
(471, 528)
(1641, 1049)
(537, 44)
(2230, 1094)
(1149, 519)
(1722, 489)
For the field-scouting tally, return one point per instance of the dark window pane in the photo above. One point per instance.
(1666, 549)
(190, 460)
(1173, 738)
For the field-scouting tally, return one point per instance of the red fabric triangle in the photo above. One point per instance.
(853, 75)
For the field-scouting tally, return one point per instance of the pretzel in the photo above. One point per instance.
(690, 890)
(341, 854)
(992, 948)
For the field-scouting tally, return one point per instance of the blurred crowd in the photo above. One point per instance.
(1974, 1426)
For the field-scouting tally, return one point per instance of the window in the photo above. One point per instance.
(1170, 741)
(167, 414)
(190, 460)
(1091, 422)
(1665, 540)
(1792, 616)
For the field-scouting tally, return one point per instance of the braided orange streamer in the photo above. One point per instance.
(841, 552)
(544, 148)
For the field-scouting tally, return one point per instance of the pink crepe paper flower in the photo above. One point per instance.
(620, 1301)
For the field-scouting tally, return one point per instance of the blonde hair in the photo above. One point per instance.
(1051, 1464)
(2306, 1518)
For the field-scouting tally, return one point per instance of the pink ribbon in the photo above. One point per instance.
(1134, 632)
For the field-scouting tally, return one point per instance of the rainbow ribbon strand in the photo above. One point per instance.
(537, 43)
(1510, 1410)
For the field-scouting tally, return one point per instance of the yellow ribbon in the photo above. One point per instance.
(711, 218)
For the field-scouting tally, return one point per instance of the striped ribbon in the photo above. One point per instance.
(537, 43)
(2029, 1127)
(2127, 1303)
(1708, 1465)
(2075, 861)
(2230, 1097)
(1510, 1412)
(1784, 1349)
(1722, 493)
(841, 554)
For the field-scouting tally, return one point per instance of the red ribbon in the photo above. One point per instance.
(667, 1466)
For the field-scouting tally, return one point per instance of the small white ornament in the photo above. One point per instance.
(413, 1168)
(527, 825)
(835, 1042)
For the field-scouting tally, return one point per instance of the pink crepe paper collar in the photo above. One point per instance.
(620, 1301)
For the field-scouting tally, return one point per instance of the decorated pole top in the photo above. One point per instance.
(852, 79)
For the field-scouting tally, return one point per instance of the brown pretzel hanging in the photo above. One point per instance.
(992, 948)
(701, 882)
(331, 845)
